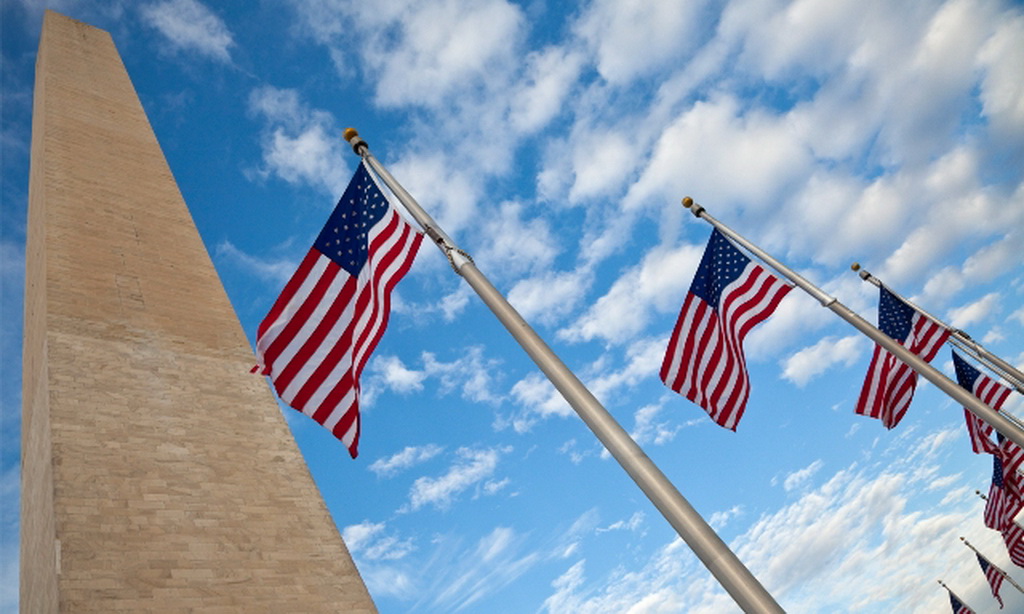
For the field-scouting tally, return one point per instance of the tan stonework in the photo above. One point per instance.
(157, 473)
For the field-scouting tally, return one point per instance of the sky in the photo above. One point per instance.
(554, 141)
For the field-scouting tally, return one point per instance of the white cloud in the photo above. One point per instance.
(190, 26)
(472, 374)
(812, 361)
(600, 162)
(472, 467)
(643, 359)
(430, 49)
(798, 479)
(550, 75)
(1018, 316)
(723, 155)
(300, 145)
(274, 271)
(495, 562)
(420, 53)
(719, 520)
(449, 192)
(648, 429)
(410, 456)
(396, 376)
(984, 265)
(513, 245)
(366, 540)
(551, 295)
(1002, 87)
(631, 38)
(958, 208)
(974, 312)
(854, 543)
(538, 399)
(658, 283)
(632, 524)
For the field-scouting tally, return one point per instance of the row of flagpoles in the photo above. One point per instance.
(321, 331)
(994, 575)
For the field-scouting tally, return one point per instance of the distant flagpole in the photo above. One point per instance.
(1010, 430)
(958, 338)
(716, 556)
(1005, 575)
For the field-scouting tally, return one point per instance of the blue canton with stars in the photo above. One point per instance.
(997, 472)
(965, 373)
(344, 237)
(983, 563)
(958, 607)
(721, 265)
(894, 316)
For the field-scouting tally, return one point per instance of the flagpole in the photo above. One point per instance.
(965, 398)
(1005, 575)
(958, 337)
(958, 598)
(716, 556)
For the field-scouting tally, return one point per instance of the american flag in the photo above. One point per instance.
(958, 606)
(321, 331)
(990, 392)
(1001, 506)
(1011, 456)
(993, 575)
(704, 361)
(889, 385)
(1013, 537)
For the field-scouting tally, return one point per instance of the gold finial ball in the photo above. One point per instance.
(687, 202)
(855, 266)
(350, 133)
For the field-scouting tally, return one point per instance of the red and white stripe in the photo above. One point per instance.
(1013, 537)
(991, 393)
(1012, 456)
(704, 361)
(994, 577)
(1001, 508)
(889, 385)
(319, 334)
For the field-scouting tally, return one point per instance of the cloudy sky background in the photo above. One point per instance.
(554, 142)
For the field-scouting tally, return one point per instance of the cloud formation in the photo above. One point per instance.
(190, 26)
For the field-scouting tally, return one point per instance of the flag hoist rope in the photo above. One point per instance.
(994, 566)
(959, 338)
(998, 421)
(730, 572)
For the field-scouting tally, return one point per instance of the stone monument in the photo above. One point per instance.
(158, 474)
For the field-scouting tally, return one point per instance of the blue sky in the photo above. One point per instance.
(554, 142)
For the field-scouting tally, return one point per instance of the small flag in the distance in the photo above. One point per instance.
(989, 392)
(1001, 506)
(958, 606)
(995, 579)
(321, 331)
(889, 385)
(704, 362)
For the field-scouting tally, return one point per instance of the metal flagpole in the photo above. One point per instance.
(958, 598)
(1005, 575)
(965, 398)
(730, 572)
(958, 338)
